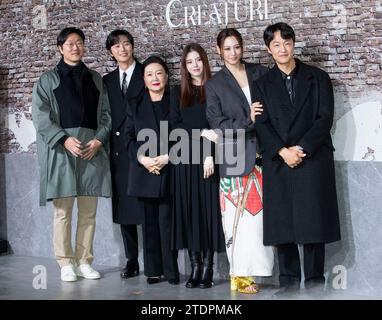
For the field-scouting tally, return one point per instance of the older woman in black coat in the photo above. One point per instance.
(149, 177)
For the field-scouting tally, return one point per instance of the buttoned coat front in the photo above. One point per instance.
(126, 209)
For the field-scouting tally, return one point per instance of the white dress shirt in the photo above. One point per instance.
(129, 72)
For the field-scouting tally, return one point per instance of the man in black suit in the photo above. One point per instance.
(124, 84)
(300, 202)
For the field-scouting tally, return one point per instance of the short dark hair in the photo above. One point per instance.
(154, 59)
(113, 38)
(229, 32)
(64, 34)
(285, 29)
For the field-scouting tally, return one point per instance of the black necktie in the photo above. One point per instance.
(124, 84)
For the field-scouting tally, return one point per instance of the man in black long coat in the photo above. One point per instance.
(124, 84)
(300, 202)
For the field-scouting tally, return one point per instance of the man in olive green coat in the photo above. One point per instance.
(71, 115)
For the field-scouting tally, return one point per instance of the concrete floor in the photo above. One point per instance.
(18, 282)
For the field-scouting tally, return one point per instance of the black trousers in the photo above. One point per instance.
(159, 259)
(130, 241)
(290, 267)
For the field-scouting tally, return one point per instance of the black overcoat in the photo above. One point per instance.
(300, 204)
(126, 209)
(141, 116)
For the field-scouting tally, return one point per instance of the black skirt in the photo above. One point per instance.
(197, 224)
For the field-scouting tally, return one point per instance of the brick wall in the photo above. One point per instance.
(342, 37)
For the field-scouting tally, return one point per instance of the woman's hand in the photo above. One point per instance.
(91, 149)
(73, 145)
(256, 110)
(162, 160)
(208, 167)
(210, 135)
(151, 164)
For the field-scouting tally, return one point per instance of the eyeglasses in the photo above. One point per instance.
(78, 44)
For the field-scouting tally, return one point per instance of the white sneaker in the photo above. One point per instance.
(68, 273)
(86, 271)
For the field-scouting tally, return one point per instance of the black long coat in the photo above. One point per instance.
(300, 204)
(228, 108)
(126, 209)
(141, 116)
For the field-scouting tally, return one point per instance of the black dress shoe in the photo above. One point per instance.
(153, 280)
(173, 281)
(315, 287)
(287, 290)
(317, 283)
(131, 270)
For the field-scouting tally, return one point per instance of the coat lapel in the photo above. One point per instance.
(136, 84)
(303, 86)
(231, 81)
(279, 93)
(251, 80)
(118, 108)
(146, 111)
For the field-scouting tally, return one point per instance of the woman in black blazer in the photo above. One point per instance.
(149, 177)
(229, 97)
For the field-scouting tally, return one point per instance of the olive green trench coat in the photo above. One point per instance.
(62, 174)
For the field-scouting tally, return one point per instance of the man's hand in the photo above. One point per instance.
(208, 167)
(73, 145)
(292, 156)
(91, 149)
(256, 110)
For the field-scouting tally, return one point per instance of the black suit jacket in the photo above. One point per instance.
(126, 210)
(141, 116)
(119, 104)
(300, 204)
(228, 108)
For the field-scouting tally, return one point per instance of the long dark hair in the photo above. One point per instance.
(185, 77)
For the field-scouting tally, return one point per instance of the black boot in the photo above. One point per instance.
(208, 271)
(195, 260)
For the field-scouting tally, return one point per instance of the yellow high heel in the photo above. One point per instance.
(234, 283)
(244, 285)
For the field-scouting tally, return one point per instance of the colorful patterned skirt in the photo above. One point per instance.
(242, 216)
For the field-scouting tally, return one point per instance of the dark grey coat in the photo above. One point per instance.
(228, 108)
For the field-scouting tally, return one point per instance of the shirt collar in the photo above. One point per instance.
(293, 73)
(129, 71)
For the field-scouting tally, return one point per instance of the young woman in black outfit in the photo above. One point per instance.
(196, 218)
